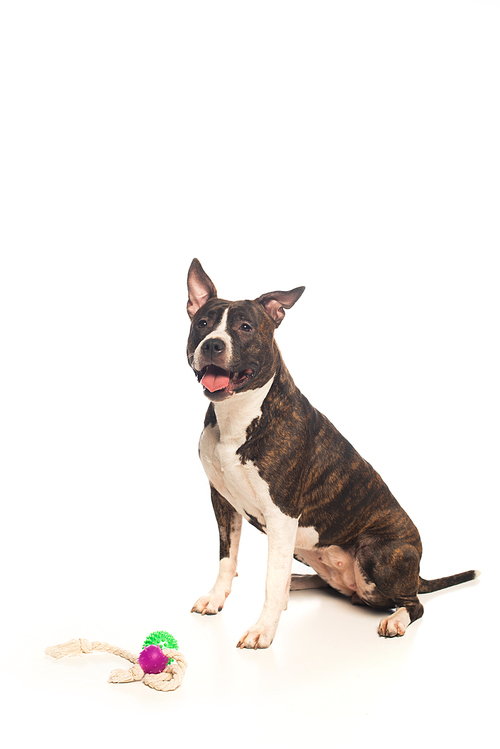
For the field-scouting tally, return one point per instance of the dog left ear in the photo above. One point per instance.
(200, 288)
(276, 302)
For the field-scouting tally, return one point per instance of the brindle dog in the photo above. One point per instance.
(273, 459)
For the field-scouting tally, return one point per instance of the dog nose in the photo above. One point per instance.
(213, 347)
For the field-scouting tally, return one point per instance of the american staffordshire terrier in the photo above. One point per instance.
(273, 459)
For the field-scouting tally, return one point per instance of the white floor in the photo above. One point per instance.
(327, 676)
(351, 147)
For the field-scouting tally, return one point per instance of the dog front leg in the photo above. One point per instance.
(281, 533)
(229, 522)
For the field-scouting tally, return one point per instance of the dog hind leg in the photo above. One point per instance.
(307, 582)
(394, 569)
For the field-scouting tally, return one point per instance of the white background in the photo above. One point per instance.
(349, 146)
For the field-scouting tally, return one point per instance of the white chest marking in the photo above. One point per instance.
(240, 484)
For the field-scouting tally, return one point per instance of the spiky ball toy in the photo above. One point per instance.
(152, 658)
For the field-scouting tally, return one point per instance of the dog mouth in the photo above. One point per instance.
(218, 380)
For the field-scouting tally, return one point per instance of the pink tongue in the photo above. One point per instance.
(215, 379)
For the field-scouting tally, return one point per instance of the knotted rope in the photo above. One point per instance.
(166, 681)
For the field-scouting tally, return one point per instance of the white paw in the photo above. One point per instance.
(256, 638)
(210, 604)
(394, 625)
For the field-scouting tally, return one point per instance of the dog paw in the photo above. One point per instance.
(394, 625)
(255, 639)
(208, 605)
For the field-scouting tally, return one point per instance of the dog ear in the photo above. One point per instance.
(276, 302)
(200, 288)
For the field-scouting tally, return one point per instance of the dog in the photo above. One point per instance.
(273, 459)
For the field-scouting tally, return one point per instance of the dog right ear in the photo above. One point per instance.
(200, 288)
(276, 302)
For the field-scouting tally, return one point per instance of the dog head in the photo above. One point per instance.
(231, 344)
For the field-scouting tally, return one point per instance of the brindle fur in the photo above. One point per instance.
(315, 474)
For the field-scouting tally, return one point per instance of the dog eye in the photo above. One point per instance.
(246, 327)
(202, 324)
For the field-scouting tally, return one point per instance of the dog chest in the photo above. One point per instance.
(239, 483)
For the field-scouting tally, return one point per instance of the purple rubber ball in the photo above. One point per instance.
(152, 660)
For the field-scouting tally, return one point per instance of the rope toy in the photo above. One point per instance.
(159, 664)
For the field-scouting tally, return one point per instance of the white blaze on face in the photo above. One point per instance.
(221, 333)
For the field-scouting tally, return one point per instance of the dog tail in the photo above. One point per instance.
(429, 586)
